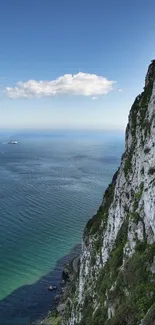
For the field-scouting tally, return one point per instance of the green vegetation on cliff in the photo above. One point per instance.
(129, 289)
(118, 274)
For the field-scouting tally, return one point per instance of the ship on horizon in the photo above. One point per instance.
(12, 142)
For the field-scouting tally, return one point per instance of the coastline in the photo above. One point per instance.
(51, 226)
(69, 275)
(36, 296)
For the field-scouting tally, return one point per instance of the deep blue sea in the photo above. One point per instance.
(51, 183)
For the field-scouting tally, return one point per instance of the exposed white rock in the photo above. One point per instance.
(111, 311)
(140, 183)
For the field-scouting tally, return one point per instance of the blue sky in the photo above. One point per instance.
(89, 40)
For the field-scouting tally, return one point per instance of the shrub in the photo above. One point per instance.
(99, 316)
(94, 223)
(93, 260)
(151, 170)
(128, 165)
(140, 246)
(150, 317)
(135, 217)
(138, 196)
(147, 150)
(142, 171)
(125, 315)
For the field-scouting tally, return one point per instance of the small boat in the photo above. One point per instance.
(51, 288)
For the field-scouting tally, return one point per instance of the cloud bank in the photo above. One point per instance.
(81, 84)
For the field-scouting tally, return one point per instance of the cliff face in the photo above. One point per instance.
(116, 282)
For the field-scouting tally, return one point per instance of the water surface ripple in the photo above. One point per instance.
(49, 188)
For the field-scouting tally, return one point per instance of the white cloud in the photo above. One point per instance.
(84, 84)
(94, 97)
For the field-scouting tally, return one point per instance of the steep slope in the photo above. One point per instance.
(116, 283)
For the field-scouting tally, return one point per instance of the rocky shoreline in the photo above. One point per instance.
(69, 275)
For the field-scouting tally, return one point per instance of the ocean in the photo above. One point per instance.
(51, 183)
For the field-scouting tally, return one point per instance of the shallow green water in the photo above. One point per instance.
(50, 187)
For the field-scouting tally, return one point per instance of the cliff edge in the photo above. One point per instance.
(116, 282)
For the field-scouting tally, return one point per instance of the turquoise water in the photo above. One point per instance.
(51, 184)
